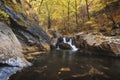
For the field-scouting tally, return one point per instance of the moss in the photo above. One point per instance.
(21, 22)
(18, 9)
(15, 6)
(4, 16)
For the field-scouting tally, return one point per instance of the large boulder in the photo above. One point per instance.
(96, 43)
(10, 48)
(24, 23)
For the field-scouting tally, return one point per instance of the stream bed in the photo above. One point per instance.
(68, 65)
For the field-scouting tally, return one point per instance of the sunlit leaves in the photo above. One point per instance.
(57, 10)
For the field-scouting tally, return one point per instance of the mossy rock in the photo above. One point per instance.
(18, 14)
(64, 46)
(4, 16)
(13, 5)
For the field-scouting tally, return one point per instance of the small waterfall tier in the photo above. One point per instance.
(68, 41)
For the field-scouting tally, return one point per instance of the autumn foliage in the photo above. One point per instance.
(72, 16)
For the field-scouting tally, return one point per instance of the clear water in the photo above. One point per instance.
(69, 65)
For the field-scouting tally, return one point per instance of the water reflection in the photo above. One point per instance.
(68, 65)
(67, 56)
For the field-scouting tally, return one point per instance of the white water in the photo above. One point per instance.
(74, 48)
(64, 40)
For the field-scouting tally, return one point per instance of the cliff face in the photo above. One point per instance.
(10, 48)
(19, 33)
(23, 22)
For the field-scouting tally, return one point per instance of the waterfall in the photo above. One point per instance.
(74, 48)
(64, 40)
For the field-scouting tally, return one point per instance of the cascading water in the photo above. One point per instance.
(74, 48)
(64, 40)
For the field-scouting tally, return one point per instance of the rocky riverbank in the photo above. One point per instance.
(96, 43)
(90, 43)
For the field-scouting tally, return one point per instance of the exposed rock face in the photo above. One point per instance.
(94, 43)
(10, 48)
(24, 24)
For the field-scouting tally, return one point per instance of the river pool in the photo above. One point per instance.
(69, 65)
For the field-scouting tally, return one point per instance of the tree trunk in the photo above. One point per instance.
(49, 21)
(76, 12)
(109, 15)
(49, 16)
(87, 9)
(40, 5)
(68, 15)
(63, 18)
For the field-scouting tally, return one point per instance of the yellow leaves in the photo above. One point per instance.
(89, 22)
(98, 7)
(111, 1)
(36, 9)
(56, 16)
(65, 69)
(58, 12)
(4, 16)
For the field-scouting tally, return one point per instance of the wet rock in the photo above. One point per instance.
(92, 73)
(10, 48)
(6, 72)
(64, 46)
(59, 40)
(96, 43)
(53, 43)
(55, 38)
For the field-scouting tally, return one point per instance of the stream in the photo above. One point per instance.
(69, 65)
